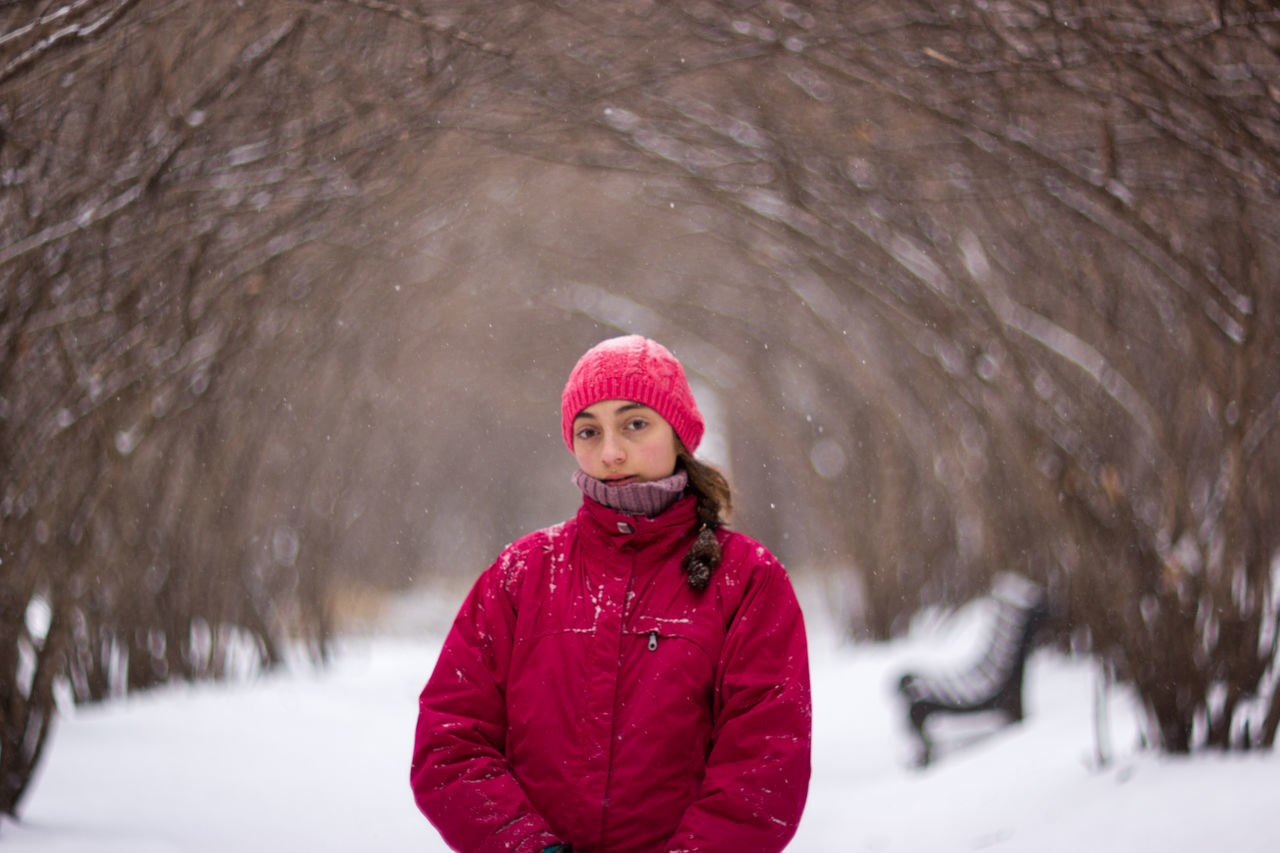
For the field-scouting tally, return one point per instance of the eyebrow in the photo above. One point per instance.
(627, 407)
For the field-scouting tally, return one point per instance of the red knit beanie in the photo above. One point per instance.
(632, 368)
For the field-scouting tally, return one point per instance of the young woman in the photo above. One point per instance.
(634, 680)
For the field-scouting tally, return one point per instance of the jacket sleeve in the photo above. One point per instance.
(757, 773)
(460, 776)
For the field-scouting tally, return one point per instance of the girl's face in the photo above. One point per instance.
(620, 442)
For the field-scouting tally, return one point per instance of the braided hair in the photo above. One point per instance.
(715, 503)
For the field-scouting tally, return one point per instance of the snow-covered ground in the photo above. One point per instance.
(318, 761)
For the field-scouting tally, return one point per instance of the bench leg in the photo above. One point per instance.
(924, 752)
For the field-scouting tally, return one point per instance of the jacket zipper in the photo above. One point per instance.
(653, 641)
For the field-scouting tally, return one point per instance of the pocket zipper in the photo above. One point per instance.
(653, 641)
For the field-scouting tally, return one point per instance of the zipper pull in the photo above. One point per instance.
(653, 641)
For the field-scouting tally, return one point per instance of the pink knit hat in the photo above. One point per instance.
(632, 368)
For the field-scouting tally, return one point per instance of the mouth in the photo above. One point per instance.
(620, 481)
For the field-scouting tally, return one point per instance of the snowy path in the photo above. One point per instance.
(319, 762)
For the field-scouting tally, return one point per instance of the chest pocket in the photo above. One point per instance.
(555, 600)
(703, 634)
(540, 620)
(692, 642)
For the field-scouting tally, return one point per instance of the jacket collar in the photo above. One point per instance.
(617, 529)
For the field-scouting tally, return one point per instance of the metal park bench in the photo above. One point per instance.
(994, 682)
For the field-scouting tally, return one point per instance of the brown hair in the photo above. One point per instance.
(715, 503)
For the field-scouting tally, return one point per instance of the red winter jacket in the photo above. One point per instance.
(587, 694)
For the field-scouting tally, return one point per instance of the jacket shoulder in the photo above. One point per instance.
(741, 550)
(746, 564)
(529, 551)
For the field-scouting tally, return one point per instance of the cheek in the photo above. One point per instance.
(660, 458)
(582, 455)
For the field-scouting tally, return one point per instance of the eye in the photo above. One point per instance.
(637, 424)
(586, 433)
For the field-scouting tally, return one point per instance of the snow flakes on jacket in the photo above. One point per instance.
(586, 694)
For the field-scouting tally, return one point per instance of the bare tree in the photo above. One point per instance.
(184, 190)
(1047, 230)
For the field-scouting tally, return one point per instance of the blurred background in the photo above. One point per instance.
(289, 290)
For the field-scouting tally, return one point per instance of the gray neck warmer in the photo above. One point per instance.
(650, 498)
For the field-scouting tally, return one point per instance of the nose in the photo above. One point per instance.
(612, 453)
